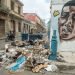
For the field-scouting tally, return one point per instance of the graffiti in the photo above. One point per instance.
(66, 21)
(56, 13)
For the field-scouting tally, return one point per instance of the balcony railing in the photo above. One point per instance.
(4, 8)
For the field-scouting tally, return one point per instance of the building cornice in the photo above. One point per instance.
(20, 2)
(16, 15)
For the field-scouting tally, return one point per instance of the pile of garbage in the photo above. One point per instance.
(27, 55)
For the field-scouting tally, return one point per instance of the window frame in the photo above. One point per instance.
(12, 5)
(19, 26)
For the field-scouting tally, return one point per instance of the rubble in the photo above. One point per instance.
(18, 43)
(38, 67)
(18, 64)
(36, 56)
(60, 58)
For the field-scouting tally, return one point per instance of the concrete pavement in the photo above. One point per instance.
(4, 72)
(2, 44)
(2, 41)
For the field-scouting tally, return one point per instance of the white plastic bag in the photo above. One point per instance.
(52, 68)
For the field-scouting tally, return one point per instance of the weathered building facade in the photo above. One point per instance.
(10, 16)
(27, 27)
(39, 25)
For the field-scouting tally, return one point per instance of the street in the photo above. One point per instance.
(2, 44)
(2, 72)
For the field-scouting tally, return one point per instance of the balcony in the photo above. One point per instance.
(4, 9)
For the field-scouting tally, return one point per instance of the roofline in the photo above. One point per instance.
(36, 16)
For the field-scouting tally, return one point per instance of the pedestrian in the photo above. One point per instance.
(11, 35)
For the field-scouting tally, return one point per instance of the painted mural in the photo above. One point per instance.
(66, 21)
(63, 21)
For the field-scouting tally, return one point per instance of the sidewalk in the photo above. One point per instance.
(68, 56)
(69, 65)
(2, 41)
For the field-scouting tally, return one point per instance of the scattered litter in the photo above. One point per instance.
(23, 55)
(52, 68)
(6, 46)
(18, 64)
(39, 67)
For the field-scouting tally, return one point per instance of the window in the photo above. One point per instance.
(24, 28)
(19, 27)
(29, 29)
(12, 5)
(19, 9)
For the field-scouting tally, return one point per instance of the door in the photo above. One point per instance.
(13, 26)
(2, 27)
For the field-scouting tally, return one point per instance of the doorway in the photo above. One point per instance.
(2, 27)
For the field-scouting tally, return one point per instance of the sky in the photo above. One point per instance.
(40, 7)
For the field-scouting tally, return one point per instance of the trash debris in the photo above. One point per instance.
(52, 68)
(18, 43)
(6, 46)
(30, 55)
(18, 64)
(60, 58)
(39, 67)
